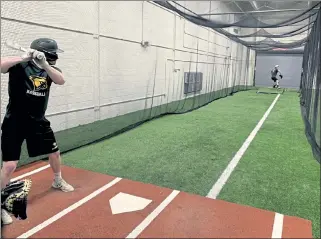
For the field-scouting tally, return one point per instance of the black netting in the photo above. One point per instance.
(264, 33)
(176, 83)
(248, 20)
(311, 87)
(197, 71)
(305, 25)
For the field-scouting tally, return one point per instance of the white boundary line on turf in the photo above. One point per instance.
(68, 209)
(30, 173)
(145, 223)
(217, 187)
(277, 226)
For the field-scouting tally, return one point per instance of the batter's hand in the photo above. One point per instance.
(42, 61)
(28, 55)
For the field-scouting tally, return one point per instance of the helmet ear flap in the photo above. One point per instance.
(51, 56)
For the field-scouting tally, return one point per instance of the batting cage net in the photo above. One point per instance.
(164, 58)
(120, 78)
(310, 87)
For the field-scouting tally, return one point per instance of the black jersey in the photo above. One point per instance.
(29, 88)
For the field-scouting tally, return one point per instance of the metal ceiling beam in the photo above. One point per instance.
(254, 5)
(238, 6)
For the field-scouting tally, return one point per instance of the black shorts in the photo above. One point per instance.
(274, 79)
(39, 137)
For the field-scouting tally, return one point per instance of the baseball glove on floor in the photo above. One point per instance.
(14, 198)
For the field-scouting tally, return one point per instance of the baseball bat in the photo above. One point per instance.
(16, 46)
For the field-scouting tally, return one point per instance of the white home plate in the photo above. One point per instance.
(124, 202)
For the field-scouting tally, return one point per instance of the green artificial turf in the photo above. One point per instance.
(189, 151)
(278, 171)
(185, 152)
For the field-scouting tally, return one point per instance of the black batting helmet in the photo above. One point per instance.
(47, 46)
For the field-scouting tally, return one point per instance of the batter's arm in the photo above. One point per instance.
(55, 74)
(8, 62)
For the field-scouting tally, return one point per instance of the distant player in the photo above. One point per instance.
(274, 74)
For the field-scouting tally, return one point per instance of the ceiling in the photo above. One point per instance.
(272, 5)
(269, 11)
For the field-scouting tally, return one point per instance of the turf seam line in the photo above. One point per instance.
(219, 184)
(145, 223)
(277, 226)
(69, 209)
(30, 173)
